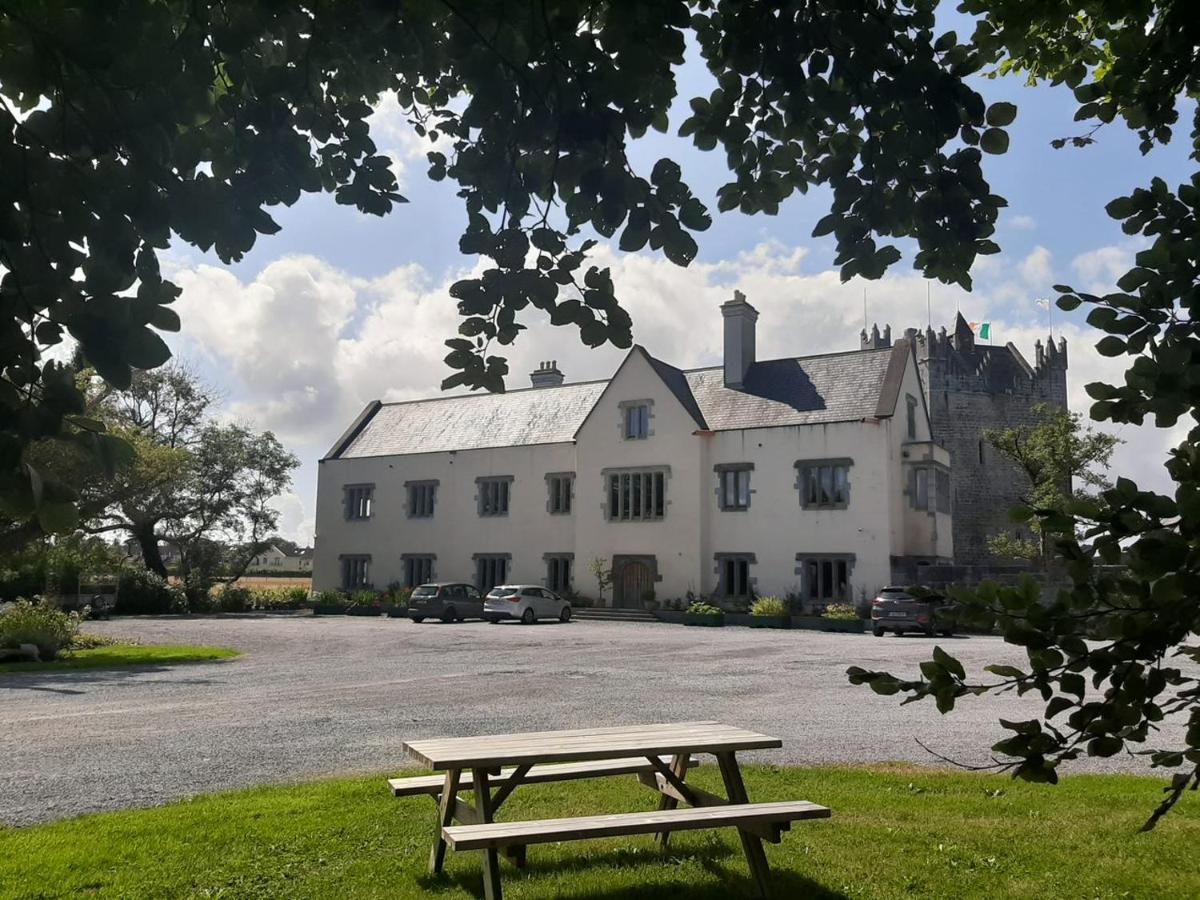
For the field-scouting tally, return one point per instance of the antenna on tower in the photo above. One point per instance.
(864, 307)
(928, 306)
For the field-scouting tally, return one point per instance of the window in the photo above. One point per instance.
(491, 569)
(637, 496)
(912, 416)
(980, 451)
(558, 571)
(560, 486)
(920, 489)
(943, 491)
(421, 498)
(824, 483)
(359, 500)
(733, 485)
(929, 488)
(356, 572)
(493, 495)
(418, 568)
(825, 579)
(733, 574)
(636, 420)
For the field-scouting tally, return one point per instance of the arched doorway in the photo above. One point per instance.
(633, 577)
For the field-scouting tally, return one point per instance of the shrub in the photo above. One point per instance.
(140, 592)
(769, 606)
(234, 599)
(843, 611)
(400, 597)
(365, 598)
(700, 608)
(84, 641)
(279, 598)
(332, 598)
(38, 623)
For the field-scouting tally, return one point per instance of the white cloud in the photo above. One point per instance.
(296, 521)
(1100, 268)
(1022, 223)
(306, 346)
(395, 137)
(1036, 269)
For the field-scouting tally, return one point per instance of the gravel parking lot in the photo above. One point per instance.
(323, 696)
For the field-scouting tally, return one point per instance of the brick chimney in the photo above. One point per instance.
(740, 317)
(546, 375)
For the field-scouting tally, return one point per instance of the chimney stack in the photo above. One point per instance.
(546, 375)
(740, 317)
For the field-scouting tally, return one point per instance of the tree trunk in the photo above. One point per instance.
(148, 544)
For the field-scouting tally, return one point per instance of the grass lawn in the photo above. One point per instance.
(896, 831)
(123, 655)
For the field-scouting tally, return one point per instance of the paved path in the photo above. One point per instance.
(334, 695)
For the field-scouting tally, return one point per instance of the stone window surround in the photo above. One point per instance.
(722, 588)
(432, 557)
(911, 404)
(626, 404)
(421, 482)
(720, 469)
(478, 558)
(570, 478)
(665, 469)
(548, 558)
(479, 481)
(801, 465)
(909, 486)
(848, 558)
(352, 559)
(349, 491)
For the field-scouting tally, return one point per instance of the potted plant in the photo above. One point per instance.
(648, 601)
(397, 605)
(700, 613)
(330, 603)
(769, 612)
(365, 603)
(841, 617)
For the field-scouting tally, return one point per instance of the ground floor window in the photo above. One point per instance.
(558, 572)
(356, 572)
(825, 579)
(490, 570)
(418, 569)
(733, 574)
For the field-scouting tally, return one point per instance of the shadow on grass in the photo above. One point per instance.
(729, 876)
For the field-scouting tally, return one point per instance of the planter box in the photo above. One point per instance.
(820, 623)
(364, 611)
(770, 621)
(736, 618)
(711, 620)
(396, 612)
(328, 609)
(674, 616)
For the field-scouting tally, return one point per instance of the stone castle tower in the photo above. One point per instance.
(970, 388)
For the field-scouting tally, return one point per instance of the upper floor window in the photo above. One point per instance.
(493, 494)
(912, 416)
(929, 488)
(733, 485)
(558, 571)
(733, 574)
(824, 483)
(635, 416)
(825, 579)
(356, 571)
(491, 569)
(418, 568)
(359, 500)
(560, 486)
(422, 495)
(639, 495)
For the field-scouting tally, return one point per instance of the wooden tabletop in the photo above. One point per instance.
(584, 744)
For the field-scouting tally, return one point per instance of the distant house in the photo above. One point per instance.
(168, 552)
(273, 559)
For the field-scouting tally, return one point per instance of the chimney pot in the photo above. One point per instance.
(546, 375)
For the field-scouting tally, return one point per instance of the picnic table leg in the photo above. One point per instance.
(679, 766)
(735, 790)
(491, 859)
(445, 817)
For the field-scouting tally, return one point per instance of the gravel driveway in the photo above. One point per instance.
(319, 696)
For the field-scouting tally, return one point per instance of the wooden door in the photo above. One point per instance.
(636, 579)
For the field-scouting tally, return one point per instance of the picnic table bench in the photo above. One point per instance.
(492, 767)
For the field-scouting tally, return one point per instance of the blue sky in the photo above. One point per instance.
(340, 308)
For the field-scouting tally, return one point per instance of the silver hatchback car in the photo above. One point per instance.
(525, 602)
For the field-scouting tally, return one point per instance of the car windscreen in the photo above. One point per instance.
(502, 592)
(426, 590)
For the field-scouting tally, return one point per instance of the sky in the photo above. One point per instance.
(340, 308)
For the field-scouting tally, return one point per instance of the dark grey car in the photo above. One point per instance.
(895, 609)
(450, 601)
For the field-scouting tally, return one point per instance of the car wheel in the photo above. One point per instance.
(929, 632)
(949, 632)
(565, 614)
(528, 617)
(878, 632)
(448, 615)
(418, 619)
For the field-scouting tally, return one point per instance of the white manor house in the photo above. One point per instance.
(812, 475)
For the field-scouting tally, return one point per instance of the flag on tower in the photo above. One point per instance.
(985, 331)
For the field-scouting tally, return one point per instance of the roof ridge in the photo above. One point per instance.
(475, 396)
(792, 358)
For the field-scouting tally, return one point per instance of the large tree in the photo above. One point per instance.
(126, 124)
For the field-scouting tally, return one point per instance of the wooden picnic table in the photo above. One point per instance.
(660, 755)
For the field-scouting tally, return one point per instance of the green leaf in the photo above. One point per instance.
(1001, 114)
(145, 350)
(994, 140)
(58, 517)
(1111, 346)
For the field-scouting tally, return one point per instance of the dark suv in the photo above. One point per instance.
(895, 609)
(449, 601)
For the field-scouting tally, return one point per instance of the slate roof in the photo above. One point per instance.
(810, 390)
(475, 421)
